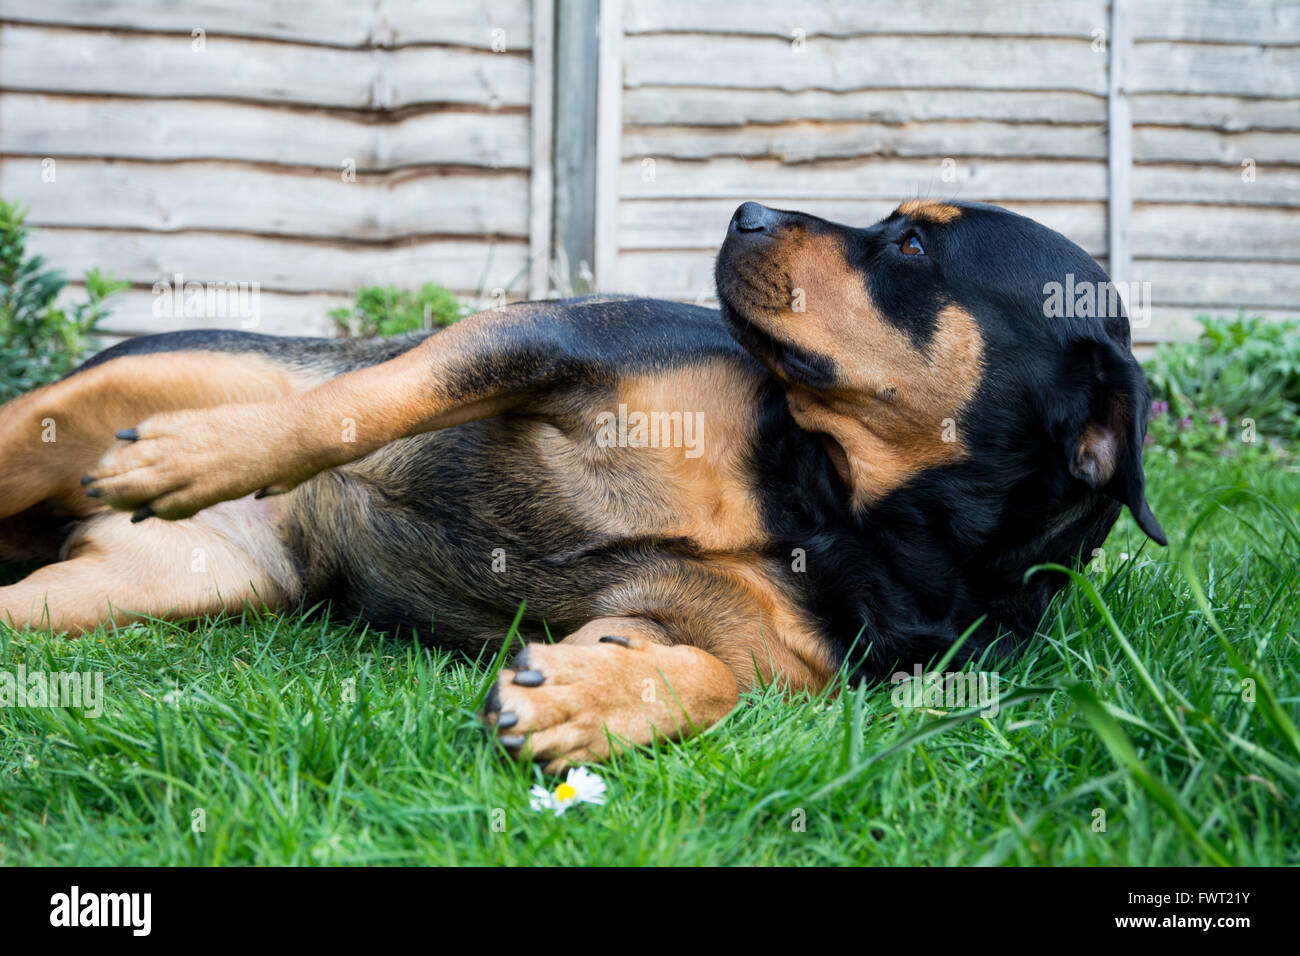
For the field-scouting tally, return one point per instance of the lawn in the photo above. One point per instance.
(1148, 726)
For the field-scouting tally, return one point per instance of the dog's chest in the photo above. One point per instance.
(666, 455)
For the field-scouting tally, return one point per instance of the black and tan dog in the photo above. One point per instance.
(852, 464)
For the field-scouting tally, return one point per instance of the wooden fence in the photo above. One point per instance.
(316, 148)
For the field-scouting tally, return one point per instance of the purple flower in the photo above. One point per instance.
(1159, 408)
(1186, 422)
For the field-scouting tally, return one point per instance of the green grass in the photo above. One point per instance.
(1131, 704)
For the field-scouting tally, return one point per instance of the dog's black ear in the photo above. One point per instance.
(1104, 447)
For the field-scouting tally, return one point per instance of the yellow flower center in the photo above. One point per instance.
(565, 792)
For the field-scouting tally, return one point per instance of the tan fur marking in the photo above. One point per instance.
(927, 210)
(1097, 455)
(889, 407)
(776, 642)
(734, 607)
(592, 689)
(702, 493)
(226, 559)
(85, 411)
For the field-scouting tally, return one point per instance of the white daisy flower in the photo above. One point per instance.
(580, 786)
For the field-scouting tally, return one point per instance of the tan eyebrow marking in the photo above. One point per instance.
(929, 211)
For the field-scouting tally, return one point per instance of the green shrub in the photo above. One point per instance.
(39, 341)
(385, 310)
(1240, 377)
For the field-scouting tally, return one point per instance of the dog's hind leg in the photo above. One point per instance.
(229, 558)
(526, 359)
(52, 436)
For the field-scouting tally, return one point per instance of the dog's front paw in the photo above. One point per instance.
(570, 703)
(177, 463)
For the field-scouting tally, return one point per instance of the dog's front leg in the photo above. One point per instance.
(177, 463)
(616, 682)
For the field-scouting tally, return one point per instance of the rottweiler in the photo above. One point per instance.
(849, 465)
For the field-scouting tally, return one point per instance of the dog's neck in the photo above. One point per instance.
(911, 572)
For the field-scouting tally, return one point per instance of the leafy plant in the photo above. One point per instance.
(40, 341)
(382, 310)
(1234, 389)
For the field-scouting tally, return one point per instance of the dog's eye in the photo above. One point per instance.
(911, 246)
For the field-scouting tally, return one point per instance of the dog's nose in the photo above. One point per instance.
(751, 217)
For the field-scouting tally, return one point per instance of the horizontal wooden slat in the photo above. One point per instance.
(668, 274)
(801, 142)
(1228, 113)
(232, 197)
(892, 180)
(989, 180)
(39, 125)
(702, 223)
(1179, 145)
(1207, 21)
(1214, 21)
(781, 17)
(1159, 67)
(285, 265)
(1219, 285)
(864, 63)
(1273, 186)
(137, 311)
(1165, 324)
(1178, 322)
(50, 59)
(1215, 232)
(380, 22)
(697, 106)
(700, 106)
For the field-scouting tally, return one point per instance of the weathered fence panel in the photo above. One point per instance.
(315, 148)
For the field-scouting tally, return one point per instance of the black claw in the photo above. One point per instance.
(493, 702)
(261, 493)
(128, 434)
(513, 741)
(94, 492)
(86, 479)
(615, 639)
(520, 661)
(507, 720)
(529, 678)
(140, 515)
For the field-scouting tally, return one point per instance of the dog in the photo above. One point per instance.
(849, 466)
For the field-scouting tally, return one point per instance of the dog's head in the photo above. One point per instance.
(948, 339)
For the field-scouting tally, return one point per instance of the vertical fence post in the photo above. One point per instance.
(609, 140)
(541, 217)
(576, 49)
(1120, 138)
